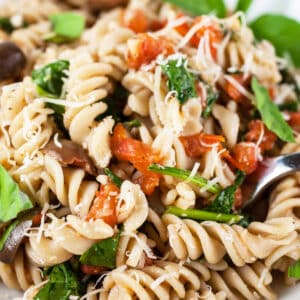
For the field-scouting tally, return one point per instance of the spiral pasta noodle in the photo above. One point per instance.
(21, 274)
(213, 240)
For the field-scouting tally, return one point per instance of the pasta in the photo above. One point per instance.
(127, 130)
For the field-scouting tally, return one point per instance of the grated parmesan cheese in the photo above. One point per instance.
(56, 141)
(158, 281)
(141, 243)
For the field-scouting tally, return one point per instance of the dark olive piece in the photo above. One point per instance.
(12, 61)
(104, 4)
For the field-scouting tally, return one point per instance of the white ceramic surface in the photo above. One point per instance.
(288, 7)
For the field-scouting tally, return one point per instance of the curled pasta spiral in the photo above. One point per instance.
(132, 209)
(112, 49)
(134, 249)
(21, 274)
(163, 281)
(32, 11)
(190, 239)
(69, 186)
(62, 239)
(88, 81)
(239, 51)
(156, 230)
(247, 282)
(31, 40)
(30, 130)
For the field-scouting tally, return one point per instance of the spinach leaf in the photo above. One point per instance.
(49, 79)
(243, 5)
(294, 270)
(282, 32)
(67, 27)
(201, 7)
(102, 254)
(203, 215)
(270, 113)
(6, 25)
(114, 178)
(62, 284)
(115, 104)
(224, 201)
(212, 97)
(180, 80)
(184, 175)
(12, 200)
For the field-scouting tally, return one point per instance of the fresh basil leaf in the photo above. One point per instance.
(212, 97)
(62, 284)
(114, 178)
(203, 215)
(270, 113)
(67, 27)
(282, 32)
(49, 79)
(243, 5)
(12, 200)
(201, 7)
(6, 25)
(224, 201)
(180, 80)
(294, 270)
(102, 254)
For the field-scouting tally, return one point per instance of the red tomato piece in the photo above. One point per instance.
(253, 135)
(200, 143)
(104, 206)
(135, 20)
(245, 157)
(92, 270)
(144, 49)
(233, 92)
(139, 154)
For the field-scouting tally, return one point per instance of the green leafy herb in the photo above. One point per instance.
(49, 79)
(184, 175)
(6, 25)
(282, 32)
(102, 254)
(133, 123)
(289, 106)
(201, 7)
(243, 5)
(270, 113)
(180, 80)
(211, 99)
(203, 215)
(7, 233)
(114, 178)
(224, 201)
(12, 200)
(62, 284)
(294, 270)
(115, 104)
(67, 27)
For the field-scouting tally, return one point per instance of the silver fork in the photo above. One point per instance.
(268, 172)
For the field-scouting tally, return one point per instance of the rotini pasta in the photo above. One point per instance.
(127, 129)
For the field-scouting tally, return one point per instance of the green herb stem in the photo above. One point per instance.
(184, 175)
(294, 270)
(114, 178)
(203, 215)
